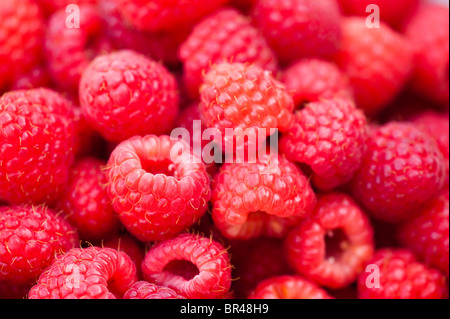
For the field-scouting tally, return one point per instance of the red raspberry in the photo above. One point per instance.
(329, 136)
(437, 126)
(50, 6)
(311, 80)
(400, 276)
(161, 15)
(428, 31)
(85, 201)
(21, 34)
(37, 77)
(427, 234)
(70, 50)
(145, 290)
(37, 146)
(377, 61)
(158, 193)
(332, 246)
(245, 193)
(288, 287)
(224, 36)
(254, 261)
(299, 28)
(394, 13)
(30, 238)
(235, 95)
(194, 266)
(401, 170)
(124, 94)
(86, 273)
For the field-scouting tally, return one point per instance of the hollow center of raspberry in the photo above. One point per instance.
(182, 268)
(165, 167)
(336, 242)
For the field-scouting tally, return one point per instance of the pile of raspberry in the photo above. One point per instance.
(99, 200)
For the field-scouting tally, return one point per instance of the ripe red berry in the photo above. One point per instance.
(330, 137)
(427, 233)
(288, 287)
(377, 61)
(30, 238)
(145, 290)
(124, 94)
(156, 191)
(37, 146)
(332, 246)
(225, 36)
(396, 274)
(262, 198)
(299, 28)
(86, 273)
(194, 266)
(401, 170)
(85, 201)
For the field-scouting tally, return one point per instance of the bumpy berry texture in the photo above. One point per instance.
(333, 245)
(329, 136)
(145, 290)
(89, 273)
(85, 201)
(299, 28)
(21, 39)
(428, 32)
(156, 191)
(37, 143)
(427, 233)
(225, 36)
(311, 80)
(401, 170)
(161, 15)
(125, 93)
(400, 276)
(245, 193)
(378, 62)
(238, 96)
(30, 238)
(288, 287)
(395, 13)
(195, 267)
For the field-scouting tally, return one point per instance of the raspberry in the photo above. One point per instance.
(329, 136)
(70, 50)
(50, 6)
(21, 34)
(395, 13)
(401, 170)
(86, 273)
(311, 80)
(30, 238)
(377, 61)
(427, 234)
(299, 28)
(145, 290)
(332, 246)
(37, 145)
(254, 261)
(235, 95)
(437, 126)
(244, 194)
(124, 94)
(37, 77)
(158, 193)
(160, 15)
(194, 266)
(85, 201)
(288, 287)
(400, 276)
(428, 32)
(224, 36)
